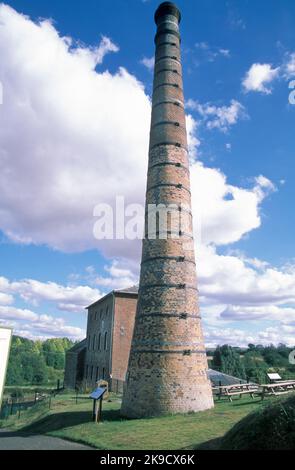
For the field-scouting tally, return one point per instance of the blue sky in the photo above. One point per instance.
(57, 153)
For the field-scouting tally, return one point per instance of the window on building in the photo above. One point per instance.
(89, 341)
(91, 376)
(107, 311)
(93, 342)
(105, 341)
(99, 341)
(103, 373)
(86, 372)
(97, 374)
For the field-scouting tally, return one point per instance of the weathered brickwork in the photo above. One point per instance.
(167, 364)
(109, 332)
(74, 367)
(99, 341)
(125, 308)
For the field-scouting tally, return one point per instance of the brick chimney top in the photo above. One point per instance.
(167, 8)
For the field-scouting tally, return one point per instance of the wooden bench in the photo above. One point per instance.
(278, 388)
(230, 391)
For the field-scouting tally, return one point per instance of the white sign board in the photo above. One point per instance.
(5, 339)
(274, 376)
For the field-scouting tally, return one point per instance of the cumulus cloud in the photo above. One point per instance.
(237, 290)
(258, 312)
(5, 299)
(242, 338)
(193, 141)
(222, 117)
(31, 324)
(66, 298)
(224, 213)
(234, 280)
(258, 76)
(81, 132)
(148, 62)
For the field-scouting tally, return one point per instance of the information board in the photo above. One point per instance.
(5, 340)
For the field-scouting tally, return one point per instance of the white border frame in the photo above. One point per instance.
(6, 366)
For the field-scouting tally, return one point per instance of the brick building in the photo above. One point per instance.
(106, 348)
(75, 363)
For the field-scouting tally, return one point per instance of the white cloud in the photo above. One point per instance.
(259, 312)
(95, 55)
(224, 213)
(224, 52)
(35, 326)
(289, 66)
(5, 299)
(232, 336)
(13, 313)
(148, 62)
(80, 134)
(234, 280)
(211, 53)
(258, 76)
(222, 117)
(193, 141)
(242, 338)
(67, 298)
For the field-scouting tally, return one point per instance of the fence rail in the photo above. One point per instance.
(12, 406)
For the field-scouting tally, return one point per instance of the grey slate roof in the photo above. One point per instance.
(225, 379)
(128, 290)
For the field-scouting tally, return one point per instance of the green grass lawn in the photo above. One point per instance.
(72, 421)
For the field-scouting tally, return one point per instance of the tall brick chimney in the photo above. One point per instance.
(167, 364)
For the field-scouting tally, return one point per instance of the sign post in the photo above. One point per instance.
(5, 342)
(97, 396)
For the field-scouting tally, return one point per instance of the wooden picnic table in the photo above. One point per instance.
(278, 388)
(236, 389)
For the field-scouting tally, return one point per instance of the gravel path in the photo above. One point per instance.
(17, 441)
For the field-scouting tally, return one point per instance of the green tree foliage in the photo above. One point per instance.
(36, 362)
(227, 359)
(255, 366)
(255, 362)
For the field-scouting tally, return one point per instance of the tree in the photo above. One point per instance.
(255, 366)
(226, 359)
(36, 362)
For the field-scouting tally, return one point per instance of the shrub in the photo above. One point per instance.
(270, 428)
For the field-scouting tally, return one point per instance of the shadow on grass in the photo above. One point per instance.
(57, 421)
(247, 403)
(239, 402)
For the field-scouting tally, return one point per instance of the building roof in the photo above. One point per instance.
(78, 347)
(128, 290)
(133, 291)
(219, 378)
